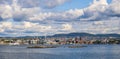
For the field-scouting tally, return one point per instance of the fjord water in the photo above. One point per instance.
(89, 52)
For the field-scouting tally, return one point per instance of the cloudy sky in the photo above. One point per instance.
(48, 17)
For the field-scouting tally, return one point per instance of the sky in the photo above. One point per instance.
(49, 17)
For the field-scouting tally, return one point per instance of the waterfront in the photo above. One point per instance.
(89, 52)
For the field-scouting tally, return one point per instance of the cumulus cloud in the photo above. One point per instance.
(52, 3)
(23, 27)
(33, 27)
(66, 16)
(67, 27)
(100, 10)
(6, 24)
(103, 26)
(33, 18)
(41, 3)
(113, 9)
(19, 13)
(96, 11)
(5, 12)
(69, 15)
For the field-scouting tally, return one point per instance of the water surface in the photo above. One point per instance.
(89, 52)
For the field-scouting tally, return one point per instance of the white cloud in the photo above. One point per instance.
(6, 24)
(97, 6)
(29, 18)
(67, 27)
(41, 3)
(60, 16)
(1, 30)
(40, 16)
(21, 27)
(52, 3)
(5, 11)
(72, 14)
(98, 23)
(114, 8)
(32, 27)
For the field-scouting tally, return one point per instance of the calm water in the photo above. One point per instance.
(89, 52)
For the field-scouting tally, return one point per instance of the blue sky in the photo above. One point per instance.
(49, 17)
(74, 4)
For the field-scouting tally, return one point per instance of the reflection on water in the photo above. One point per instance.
(90, 52)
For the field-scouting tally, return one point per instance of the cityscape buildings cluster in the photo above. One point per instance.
(59, 41)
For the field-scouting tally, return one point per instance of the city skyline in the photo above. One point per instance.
(49, 17)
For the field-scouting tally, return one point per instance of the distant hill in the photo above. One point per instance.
(86, 34)
(73, 35)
